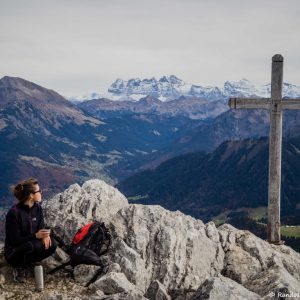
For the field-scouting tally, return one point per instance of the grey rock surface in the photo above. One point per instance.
(98, 295)
(68, 211)
(219, 288)
(156, 291)
(84, 273)
(128, 295)
(113, 283)
(273, 281)
(155, 244)
(248, 257)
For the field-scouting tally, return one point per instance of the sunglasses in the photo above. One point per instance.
(38, 191)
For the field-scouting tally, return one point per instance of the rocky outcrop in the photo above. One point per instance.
(159, 254)
(66, 212)
(152, 243)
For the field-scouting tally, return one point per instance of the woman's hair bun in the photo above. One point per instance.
(23, 189)
(19, 187)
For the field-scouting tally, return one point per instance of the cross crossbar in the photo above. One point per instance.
(291, 104)
(249, 103)
(262, 103)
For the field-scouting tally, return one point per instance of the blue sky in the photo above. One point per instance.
(75, 47)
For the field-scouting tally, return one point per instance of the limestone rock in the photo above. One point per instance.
(84, 273)
(129, 261)
(113, 283)
(114, 267)
(56, 295)
(247, 255)
(240, 265)
(66, 212)
(274, 281)
(128, 295)
(98, 295)
(219, 288)
(157, 291)
(156, 244)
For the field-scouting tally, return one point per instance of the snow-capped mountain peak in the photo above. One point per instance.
(237, 88)
(165, 88)
(171, 87)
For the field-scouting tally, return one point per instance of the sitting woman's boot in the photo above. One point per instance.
(19, 275)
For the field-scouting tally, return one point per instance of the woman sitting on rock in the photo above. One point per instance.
(27, 241)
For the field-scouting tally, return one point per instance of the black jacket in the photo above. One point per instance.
(22, 223)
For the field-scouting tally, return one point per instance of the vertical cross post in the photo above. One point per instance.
(275, 145)
(275, 105)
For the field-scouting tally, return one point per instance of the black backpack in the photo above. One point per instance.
(88, 244)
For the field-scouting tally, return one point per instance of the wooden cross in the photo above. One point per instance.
(275, 105)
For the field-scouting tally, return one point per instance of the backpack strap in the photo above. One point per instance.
(60, 242)
(97, 274)
(100, 238)
(59, 267)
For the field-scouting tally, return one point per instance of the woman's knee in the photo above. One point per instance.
(39, 247)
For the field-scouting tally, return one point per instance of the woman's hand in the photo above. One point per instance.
(47, 242)
(42, 233)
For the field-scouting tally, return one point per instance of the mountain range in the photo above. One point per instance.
(190, 107)
(169, 88)
(46, 136)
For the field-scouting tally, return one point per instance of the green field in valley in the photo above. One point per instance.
(290, 231)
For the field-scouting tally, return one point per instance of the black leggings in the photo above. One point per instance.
(31, 251)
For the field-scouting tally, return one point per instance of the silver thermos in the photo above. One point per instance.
(39, 278)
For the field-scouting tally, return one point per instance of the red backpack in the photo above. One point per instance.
(81, 233)
(89, 243)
